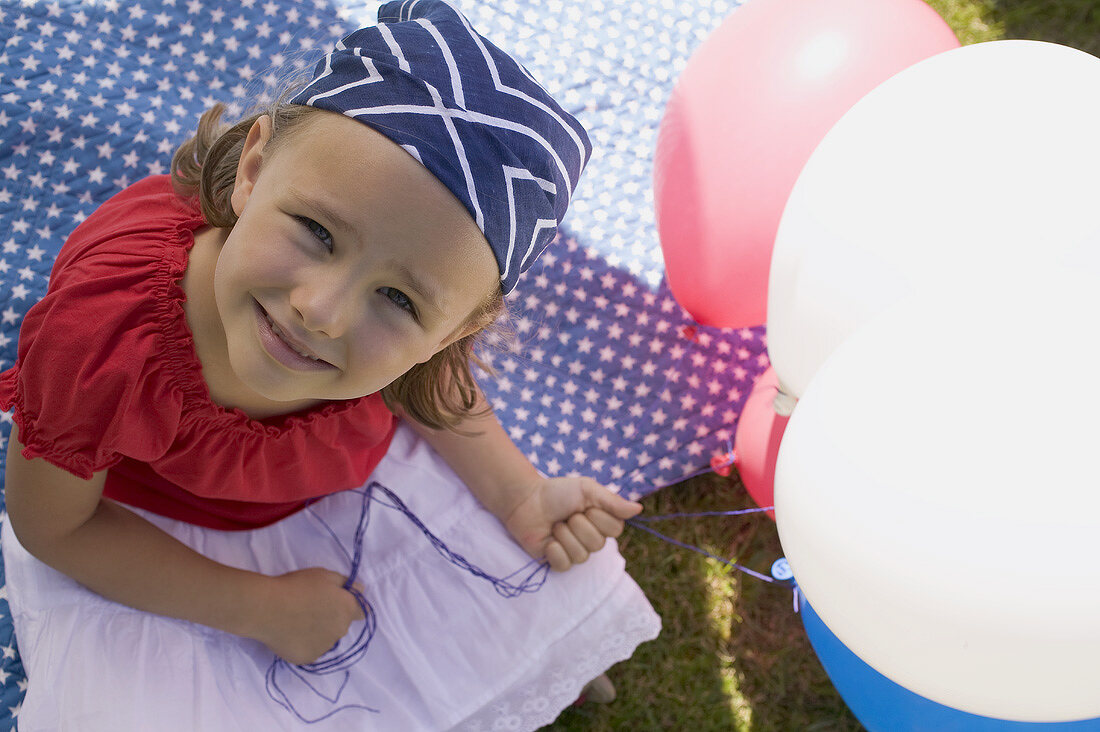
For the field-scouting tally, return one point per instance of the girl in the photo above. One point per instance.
(206, 482)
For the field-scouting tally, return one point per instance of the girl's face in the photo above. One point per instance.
(356, 253)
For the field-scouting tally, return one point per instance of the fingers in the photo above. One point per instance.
(590, 537)
(605, 523)
(584, 513)
(556, 556)
(619, 507)
(575, 539)
(357, 587)
(611, 503)
(570, 543)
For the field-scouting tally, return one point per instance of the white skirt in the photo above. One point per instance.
(448, 651)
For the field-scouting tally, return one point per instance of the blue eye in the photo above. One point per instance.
(318, 231)
(398, 298)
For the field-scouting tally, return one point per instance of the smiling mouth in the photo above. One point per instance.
(282, 336)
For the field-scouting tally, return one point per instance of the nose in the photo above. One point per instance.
(324, 304)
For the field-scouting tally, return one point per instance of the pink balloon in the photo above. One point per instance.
(756, 443)
(746, 113)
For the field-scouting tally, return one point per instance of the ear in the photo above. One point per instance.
(248, 167)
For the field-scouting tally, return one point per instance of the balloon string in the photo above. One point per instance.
(664, 516)
(729, 563)
(532, 575)
(638, 521)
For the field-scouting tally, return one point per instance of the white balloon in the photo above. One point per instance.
(938, 496)
(979, 155)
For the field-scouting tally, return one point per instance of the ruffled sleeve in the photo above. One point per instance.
(86, 387)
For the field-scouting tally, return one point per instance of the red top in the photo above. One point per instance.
(107, 378)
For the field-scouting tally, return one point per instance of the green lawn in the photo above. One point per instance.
(733, 655)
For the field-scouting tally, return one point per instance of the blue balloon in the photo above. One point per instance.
(884, 706)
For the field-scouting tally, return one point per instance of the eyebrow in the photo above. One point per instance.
(428, 294)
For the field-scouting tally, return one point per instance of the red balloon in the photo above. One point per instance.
(756, 443)
(746, 113)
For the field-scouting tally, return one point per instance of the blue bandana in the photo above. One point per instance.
(471, 114)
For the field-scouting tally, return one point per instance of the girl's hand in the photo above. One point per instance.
(306, 613)
(566, 519)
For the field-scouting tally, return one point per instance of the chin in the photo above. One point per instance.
(262, 383)
(274, 393)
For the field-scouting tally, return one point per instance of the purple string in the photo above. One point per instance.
(342, 662)
(637, 522)
(531, 582)
(729, 563)
(662, 517)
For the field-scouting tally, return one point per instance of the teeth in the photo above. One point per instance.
(278, 331)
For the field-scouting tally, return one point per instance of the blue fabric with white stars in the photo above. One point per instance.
(607, 376)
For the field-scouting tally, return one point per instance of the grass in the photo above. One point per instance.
(732, 654)
(1069, 22)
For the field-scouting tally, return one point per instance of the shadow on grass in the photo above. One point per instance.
(732, 654)
(1074, 23)
(777, 671)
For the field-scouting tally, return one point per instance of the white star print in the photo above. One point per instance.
(603, 384)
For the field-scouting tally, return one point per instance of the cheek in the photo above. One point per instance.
(231, 276)
(224, 276)
(258, 257)
(381, 349)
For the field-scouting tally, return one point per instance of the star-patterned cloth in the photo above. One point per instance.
(607, 377)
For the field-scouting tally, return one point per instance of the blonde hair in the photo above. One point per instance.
(439, 393)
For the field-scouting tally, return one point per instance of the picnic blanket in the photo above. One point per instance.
(607, 375)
